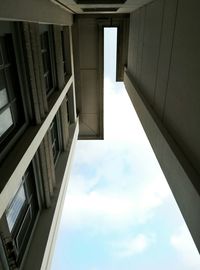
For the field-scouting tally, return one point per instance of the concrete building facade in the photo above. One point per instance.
(51, 93)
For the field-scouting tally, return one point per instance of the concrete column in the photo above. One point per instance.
(39, 64)
(34, 93)
(34, 43)
(48, 149)
(44, 172)
(52, 167)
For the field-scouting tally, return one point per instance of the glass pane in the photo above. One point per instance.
(46, 83)
(15, 207)
(3, 51)
(68, 118)
(42, 41)
(1, 56)
(63, 45)
(3, 97)
(6, 121)
(52, 134)
(46, 39)
(44, 59)
(3, 92)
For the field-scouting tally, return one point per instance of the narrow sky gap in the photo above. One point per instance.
(110, 52)
(119, 212)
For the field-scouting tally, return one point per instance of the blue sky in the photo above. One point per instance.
(119, 212)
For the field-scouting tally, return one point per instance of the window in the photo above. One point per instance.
(55, 138)
(64, 53)
(15, 207)
(68, 113)
(47, 51)
(21, 214)
(11, 114)
(70, 106)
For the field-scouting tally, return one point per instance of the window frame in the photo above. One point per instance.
(56, 122)
(50, 52)
(66, 52)
(24, 226)
(13, 202)
(11, 135)
(64, 57)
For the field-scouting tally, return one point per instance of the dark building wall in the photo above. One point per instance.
(35, 154)
(164, 62)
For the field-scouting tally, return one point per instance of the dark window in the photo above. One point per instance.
(11, 108)
(68, 113)
(55, 138)
(47, 51)
(70, 106)
(64, 53)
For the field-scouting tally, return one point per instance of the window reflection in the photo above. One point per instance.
(6, 121)
(15, 207)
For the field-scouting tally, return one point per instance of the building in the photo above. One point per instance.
(51, 93)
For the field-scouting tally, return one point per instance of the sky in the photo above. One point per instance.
(119, 212)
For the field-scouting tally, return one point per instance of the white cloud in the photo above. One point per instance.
(132, 246)
(183, 243)
(106, 208)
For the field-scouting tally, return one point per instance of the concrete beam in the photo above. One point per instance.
(42, 11)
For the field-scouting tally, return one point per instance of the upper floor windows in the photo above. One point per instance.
(55, 137)
(66, 54)
(48, 55)
(68, 112)
(9, 87)
(12, 114)
(70, 106)
(20, 217)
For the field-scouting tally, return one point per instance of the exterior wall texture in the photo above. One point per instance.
(35, 153)
(164, 64)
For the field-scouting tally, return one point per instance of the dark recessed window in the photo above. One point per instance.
(68, 113)
(11, 109)
(64, 53)
(47, 51)
(70, 106)
(55, 138)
